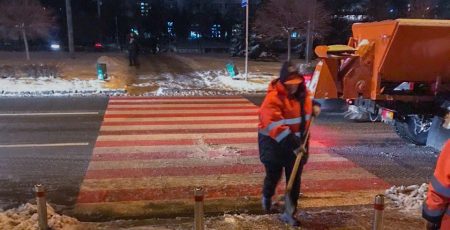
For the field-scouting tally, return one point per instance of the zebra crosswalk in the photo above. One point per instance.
(152, 151)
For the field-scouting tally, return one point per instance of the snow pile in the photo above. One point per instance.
(239, 84)
(206, 83)
(52, 86)
(25, 217)
(243, 221)
(409, 198)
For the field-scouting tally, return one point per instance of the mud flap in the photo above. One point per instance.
(437, 135)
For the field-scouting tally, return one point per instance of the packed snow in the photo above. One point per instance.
(408, 197)
(205, 83)
(25, 217)
(52, 86)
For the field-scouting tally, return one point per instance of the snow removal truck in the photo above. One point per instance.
(396, 70)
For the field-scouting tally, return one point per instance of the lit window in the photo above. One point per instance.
(194, 35)
(215, 31)
(170, 30)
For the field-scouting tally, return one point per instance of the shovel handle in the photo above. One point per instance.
(294, 171)
(298, 159)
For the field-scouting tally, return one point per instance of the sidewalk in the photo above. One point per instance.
(351, 217)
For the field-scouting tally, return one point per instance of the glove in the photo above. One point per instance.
(305, 151)
(299, 150)
(290, 143)
(305, 154)
(316, 110)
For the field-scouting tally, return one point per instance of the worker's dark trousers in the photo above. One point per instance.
(273, 175)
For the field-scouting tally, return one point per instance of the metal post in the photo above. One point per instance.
(198, 209)
(117, 34)
(99, 8)
(310, 32)
(41, 206)
(379, 209)
(246, 39)
(70, 28)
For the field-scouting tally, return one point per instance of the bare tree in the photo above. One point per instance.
(24, 18)
(421, 9)
(280, 18)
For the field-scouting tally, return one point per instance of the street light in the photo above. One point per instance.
(99, 8)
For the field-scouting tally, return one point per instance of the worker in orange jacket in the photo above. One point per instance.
(283, 118)
(436, 208)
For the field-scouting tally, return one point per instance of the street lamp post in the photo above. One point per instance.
(246, 37)
(310, 32)
(99, 8)
(70, 28)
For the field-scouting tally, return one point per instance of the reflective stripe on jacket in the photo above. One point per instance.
(280, 114)
(436, 207)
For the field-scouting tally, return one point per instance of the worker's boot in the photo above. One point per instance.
(289, 219)
(266, 204)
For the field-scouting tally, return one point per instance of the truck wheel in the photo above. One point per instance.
(413, 128)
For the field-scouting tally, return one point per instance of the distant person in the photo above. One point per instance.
(133, 50)
(436, 208)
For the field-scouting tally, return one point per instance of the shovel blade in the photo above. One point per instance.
(289, 207)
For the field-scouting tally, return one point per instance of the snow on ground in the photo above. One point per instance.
(205, 83)
(245, 221)
(331, 218)
(193, 84)
(52, 86)
(25, 217)
(409, 198)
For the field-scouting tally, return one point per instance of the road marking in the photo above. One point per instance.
(44, 145)
(215, 180)
(184, 127)
(229, 190)
(153, 151)
(237, 169)
(47, 114)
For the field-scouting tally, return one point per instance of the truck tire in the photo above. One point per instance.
(413, 129)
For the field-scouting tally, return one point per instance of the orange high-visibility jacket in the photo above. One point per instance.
(436, 208)
(280, 114)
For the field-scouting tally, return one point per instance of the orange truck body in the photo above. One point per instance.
(397, 71)
(394, 51)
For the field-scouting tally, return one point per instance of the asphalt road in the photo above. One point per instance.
(27, 152)
(373, 146)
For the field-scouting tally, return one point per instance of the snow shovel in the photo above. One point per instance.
(289, 207)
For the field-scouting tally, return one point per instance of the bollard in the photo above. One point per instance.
(379, 209)
(101, 71)
(198, 209)
(41, 206)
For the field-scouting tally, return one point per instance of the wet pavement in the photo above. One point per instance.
(30, 129)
